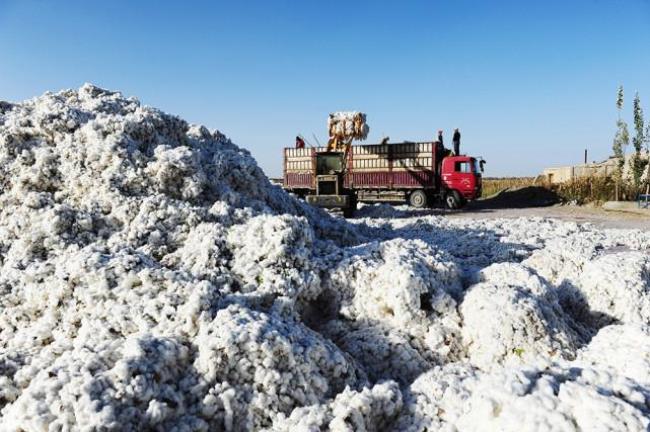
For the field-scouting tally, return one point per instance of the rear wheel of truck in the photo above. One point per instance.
(418, 199)
(453, 200)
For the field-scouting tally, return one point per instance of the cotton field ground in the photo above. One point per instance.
(151, 278)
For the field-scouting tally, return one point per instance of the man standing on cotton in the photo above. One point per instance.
(456, 141)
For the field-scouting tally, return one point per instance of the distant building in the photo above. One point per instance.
(604, 168)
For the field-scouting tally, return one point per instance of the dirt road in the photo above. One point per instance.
(581, 214)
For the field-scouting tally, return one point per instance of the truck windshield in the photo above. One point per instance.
(475, 168)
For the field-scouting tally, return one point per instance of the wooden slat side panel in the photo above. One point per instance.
(298, 181)
(297, 166)
(410, 165)
(298, 160)
(377, 179)
(382, 179)
(403, 179)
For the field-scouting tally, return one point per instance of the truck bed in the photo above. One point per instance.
(372, 166)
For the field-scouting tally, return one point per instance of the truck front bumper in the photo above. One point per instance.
(329, 201)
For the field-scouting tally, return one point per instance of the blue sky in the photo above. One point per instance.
(530, 83)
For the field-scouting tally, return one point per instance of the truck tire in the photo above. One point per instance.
(453, 200)
(418, 199)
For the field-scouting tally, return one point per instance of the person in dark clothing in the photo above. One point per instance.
(300, 143)
(440, 154)
(456, 141)
(440, 138)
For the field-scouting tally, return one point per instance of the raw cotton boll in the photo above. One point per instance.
(176, 172)
(158, 226)
(513, 315)
(369, 409)
(54, 227)
(58, 117)
(145, 383)
(110, 227)
(552, 397)
(273, 365)
(95, 99)
(617, 287)
(625, 349)
(425, 397)
(43, 174)
(272, 254)
(472, 246)
(405, 287)
(239, 181)
(203, 254)
(403, 284)
(384, 352)
(99, 299)
(130, 293)
(562, 259)
(396, 282)
(153, 385)
(64, 392)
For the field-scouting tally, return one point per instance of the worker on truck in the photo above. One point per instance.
(456, 141)
(441, 152)
(300, 143)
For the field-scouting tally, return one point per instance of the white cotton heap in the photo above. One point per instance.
(371, 409)
(554, 397)
(133, 247)
(624, 349)
(513, 315)
(403, 293)
(617, 287)
(151, 278)
(271, 365)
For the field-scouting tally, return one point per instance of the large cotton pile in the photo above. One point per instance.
(151, 278)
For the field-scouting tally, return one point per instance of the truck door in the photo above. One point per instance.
(458, 174)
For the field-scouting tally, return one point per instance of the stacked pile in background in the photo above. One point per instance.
(152, 277)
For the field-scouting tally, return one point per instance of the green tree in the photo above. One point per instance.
(647, 149)
(638, 162)
(621, 139)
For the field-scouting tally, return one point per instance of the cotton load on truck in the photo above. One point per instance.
(342, 174)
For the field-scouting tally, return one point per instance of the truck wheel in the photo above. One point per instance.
(453, 200)
(418, 199)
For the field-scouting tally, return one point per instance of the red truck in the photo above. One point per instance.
(416, 172)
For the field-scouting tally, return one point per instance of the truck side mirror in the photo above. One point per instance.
(482, 164)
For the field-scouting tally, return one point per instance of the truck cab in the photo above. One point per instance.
(460, 177)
